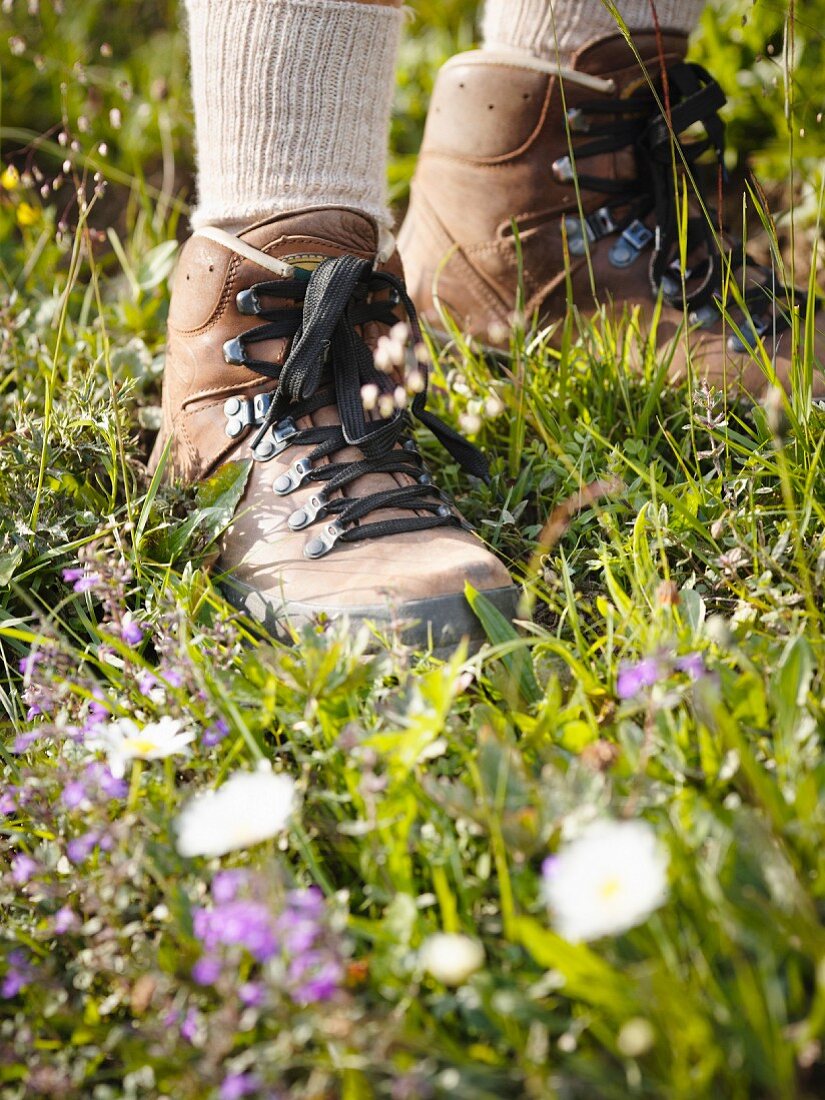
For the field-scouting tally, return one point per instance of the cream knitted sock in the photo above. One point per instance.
(544, 26)
(292, 103)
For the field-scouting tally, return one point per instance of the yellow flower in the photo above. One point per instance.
(27, 214)
(10, 178)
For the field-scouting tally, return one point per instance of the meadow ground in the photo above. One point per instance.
(615, 814)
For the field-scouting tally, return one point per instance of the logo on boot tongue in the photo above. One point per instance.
(307, 261)
(634, 86)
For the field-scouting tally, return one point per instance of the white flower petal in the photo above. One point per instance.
(248, 808)
(123, 740)
(607, 880)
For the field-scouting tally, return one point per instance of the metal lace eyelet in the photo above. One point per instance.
(562, 170)
(577, 121)
(705, 316)
(601, 222)
(233, 408)
(294, 477)
(248, 303)
(575, 235)
(321, 544)
(242, 412)
(234, 352)
(279, 438)
(315, 508)
(632, 242)
(752, 332)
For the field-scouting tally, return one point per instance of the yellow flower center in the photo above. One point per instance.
(610, 888)
(139, 746)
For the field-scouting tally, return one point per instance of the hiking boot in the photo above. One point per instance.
(271, 338)
(514, 141)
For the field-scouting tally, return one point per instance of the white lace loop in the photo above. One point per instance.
(241, 248)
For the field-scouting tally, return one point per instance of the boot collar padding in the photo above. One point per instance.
(525, 60)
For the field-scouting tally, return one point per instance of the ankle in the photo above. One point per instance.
(557, 30)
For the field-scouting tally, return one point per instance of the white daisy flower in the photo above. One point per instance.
(123, 740)
(610, 878)
(451, 957)
(248, 808)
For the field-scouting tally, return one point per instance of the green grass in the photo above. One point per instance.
(643, 520)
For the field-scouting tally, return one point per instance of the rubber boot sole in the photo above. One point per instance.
(436, 624)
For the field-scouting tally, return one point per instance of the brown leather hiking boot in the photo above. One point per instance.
(514, 140)
(270, 343)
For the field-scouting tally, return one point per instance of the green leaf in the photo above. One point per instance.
(693, 609)
(518, 660)
(587, 977)
(791, 681)
(156, 265)
(217, 500)
(9, 564)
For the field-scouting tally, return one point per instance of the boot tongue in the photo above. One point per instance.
(318, 233)
(304, 240)
(612, 57)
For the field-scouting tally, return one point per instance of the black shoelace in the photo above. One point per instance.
(327, 366)
(642, 211)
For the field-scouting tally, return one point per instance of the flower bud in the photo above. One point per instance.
(451, 957)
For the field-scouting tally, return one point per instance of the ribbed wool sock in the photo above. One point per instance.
(292, 103)
(545, 27)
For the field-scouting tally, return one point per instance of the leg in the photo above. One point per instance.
(561, 28)
(292, 104)
(272, 329)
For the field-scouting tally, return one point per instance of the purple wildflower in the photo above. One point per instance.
(99, 775)
(81, 579)
(81, 847)
(549, 866)
(173, 678)
(24, 741)
(8, 801)
(227, 884)
(97, 713)
(693, 664)
(65, 920)
(300, 922)
(633, 678)
(238, 1085)
(23, 868)
(243, 923)
(29, 664)
(215, 733)
(206, 971)
(18, 975)
(252, 994)
(74, 794)
(316, 976)
(146, 681)
(299, 933)
(189, 1026)
(309, 902)
(130, 631)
